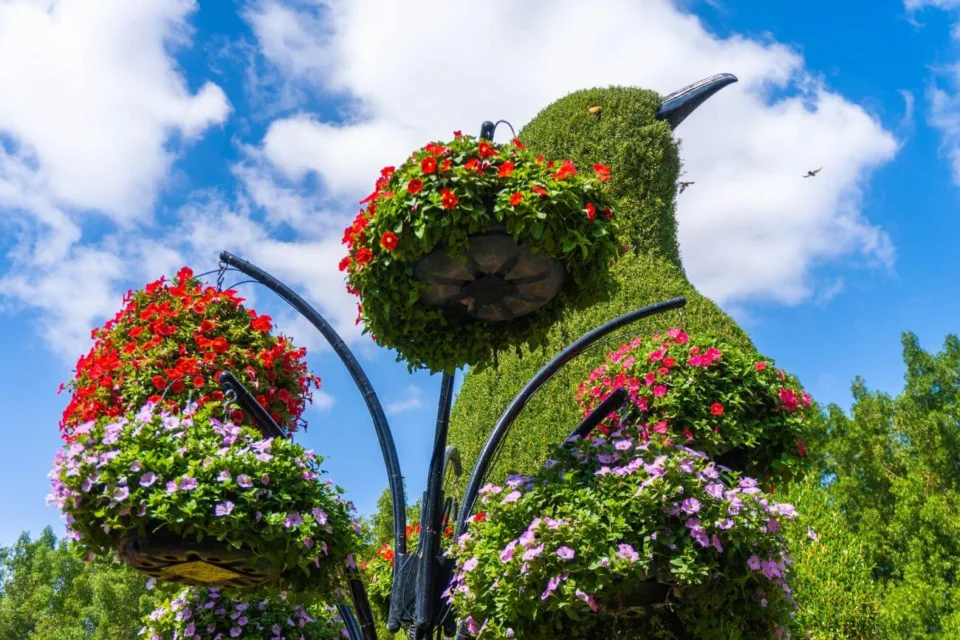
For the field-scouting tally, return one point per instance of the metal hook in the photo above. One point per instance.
(499, 122)
(220, 274)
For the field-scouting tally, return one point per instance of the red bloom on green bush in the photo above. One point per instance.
(389, 241)
(170, 340)
(415, 186)
(448, 199)
(428, 165)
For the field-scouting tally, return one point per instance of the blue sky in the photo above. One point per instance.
(136, 137)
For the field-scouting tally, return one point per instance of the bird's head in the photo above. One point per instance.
(631, 130)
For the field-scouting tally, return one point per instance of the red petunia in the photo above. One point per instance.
(262, 324)
(345, 263)
(159, 383)
(486, 150)
(603, 172)
(480, 517)
(428, 165)
(801, 449)
(364, 255)
(516, 199)
(518, 144)
(389, 241)
(540, 190)
(591, 211)
(415, 186)
(566, 170)
(760, 366)
(472, 165)
(448, 199)
(445, 166)
(506, 170)
(136, 331)
(220, 345)
(716, 409)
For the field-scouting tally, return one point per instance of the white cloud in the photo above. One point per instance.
(914, 5)
(412, 400)
(750, 228)
(92, 106)
(91, 96)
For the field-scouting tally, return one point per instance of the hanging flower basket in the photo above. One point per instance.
(720, 399)
(190, 499)
(167, 345)
(470, 247)
(619, 533)
(203, 613)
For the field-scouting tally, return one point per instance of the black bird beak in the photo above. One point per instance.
(678, 105)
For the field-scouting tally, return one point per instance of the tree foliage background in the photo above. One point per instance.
(48, 593)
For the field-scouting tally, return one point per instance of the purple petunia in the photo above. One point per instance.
(223, 509)
(565, 553)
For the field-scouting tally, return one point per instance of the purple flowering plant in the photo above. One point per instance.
(706, 394)
(196, 477)
(563, 552)
(205, 614)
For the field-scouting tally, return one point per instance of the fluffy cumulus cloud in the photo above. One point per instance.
(943, 94)
(92, 108)
(95, 110)
(751, 227)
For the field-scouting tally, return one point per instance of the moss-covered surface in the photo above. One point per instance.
(644, 160)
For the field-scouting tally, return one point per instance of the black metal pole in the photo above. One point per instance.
(248, 403)
(431, 526)
(358, 593)
(387, 447)
(610, 404)
(349, 621)
(534, 385)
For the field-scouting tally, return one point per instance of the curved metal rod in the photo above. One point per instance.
(430, 518)
(387, 447)
(541, 378)
(358, 593)
(451, 455)
(350, 622)
(266, 424)
(611, 403)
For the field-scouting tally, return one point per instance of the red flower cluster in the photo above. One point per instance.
(170, 342)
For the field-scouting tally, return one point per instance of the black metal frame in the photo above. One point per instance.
(415, 578)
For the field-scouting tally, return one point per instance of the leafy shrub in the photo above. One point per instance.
(440, 197)
(169, 343)
(195, 477)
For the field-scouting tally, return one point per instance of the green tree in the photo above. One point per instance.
(894, 473)
(47, 593)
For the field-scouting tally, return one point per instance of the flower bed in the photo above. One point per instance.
(378, 569)
(204, 614)
(190, 477)
(706, 394)
(442, 198)
(169, 342)
(566, 553)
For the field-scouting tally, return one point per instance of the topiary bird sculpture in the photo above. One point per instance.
(636, 139)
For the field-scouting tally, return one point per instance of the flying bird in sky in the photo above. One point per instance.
(683, 185)
(813, 174)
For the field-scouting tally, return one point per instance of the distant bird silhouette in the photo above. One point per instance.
(813, 174)
(683, 185)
